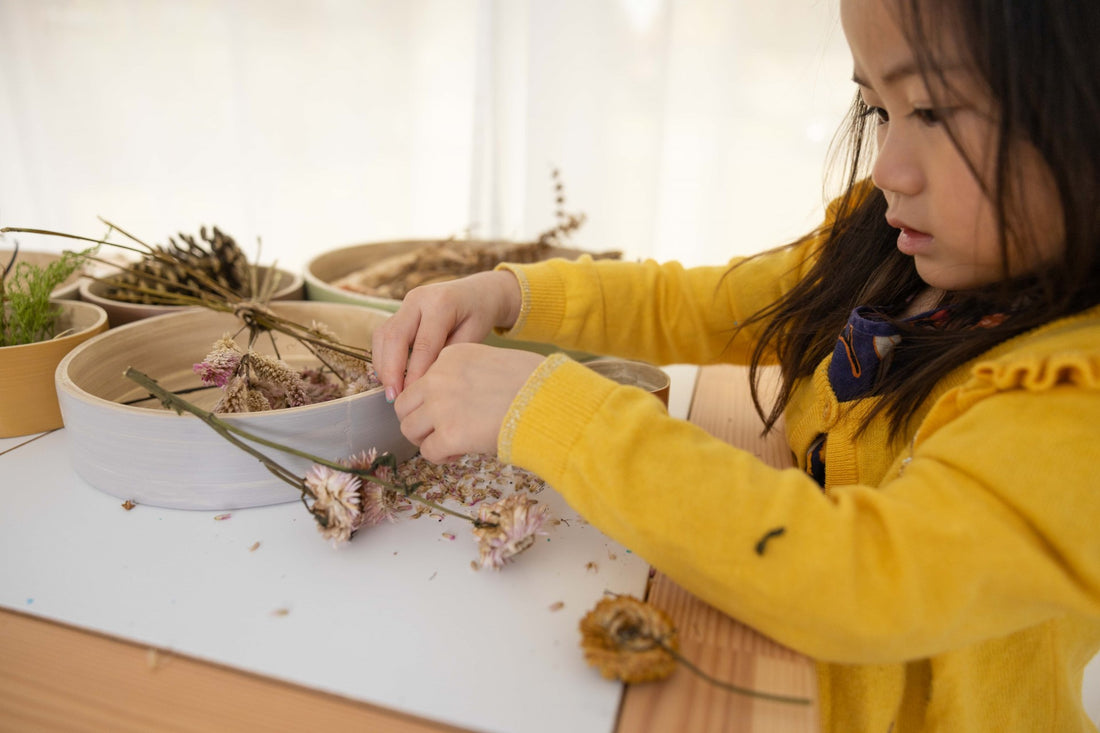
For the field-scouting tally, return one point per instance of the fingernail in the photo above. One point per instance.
(391, 394)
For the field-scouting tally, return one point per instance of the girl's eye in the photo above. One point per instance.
(880, 114)
(928, 115)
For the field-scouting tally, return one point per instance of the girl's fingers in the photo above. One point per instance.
(390, 350)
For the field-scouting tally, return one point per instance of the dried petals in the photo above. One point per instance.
(220, 364)
(506, 528)
(335, 502)
(629, 640)
(381, 504)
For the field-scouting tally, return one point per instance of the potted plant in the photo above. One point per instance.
(36, 332)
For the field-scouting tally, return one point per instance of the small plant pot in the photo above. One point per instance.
(119, 312)
(28, 398)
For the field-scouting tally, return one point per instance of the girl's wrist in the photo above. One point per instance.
(511, 301)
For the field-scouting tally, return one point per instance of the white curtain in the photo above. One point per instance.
(686, 129)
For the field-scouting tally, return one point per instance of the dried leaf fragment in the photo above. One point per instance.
(128, 505)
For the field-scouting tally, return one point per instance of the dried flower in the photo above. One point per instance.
(629, 640)
(381, 504)
(281, 385)
(506, 528)
(357, 374)
(220, 364)
(318, 387)
(336, 502)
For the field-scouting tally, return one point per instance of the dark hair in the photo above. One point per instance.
(1039, 60)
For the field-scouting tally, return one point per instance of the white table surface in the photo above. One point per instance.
(396, 618)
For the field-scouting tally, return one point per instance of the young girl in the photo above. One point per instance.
(939, 338)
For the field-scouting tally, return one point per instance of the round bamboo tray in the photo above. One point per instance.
(289, 287)
(150, 455)
(327, 268)
(28, 401)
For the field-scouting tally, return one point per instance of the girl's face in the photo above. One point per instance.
(947, 221)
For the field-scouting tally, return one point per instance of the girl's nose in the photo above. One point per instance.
(897, 168)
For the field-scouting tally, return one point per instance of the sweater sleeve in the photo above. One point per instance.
(662, 313)
(989, 527)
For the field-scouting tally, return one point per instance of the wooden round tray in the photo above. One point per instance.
(149, 455)
(288, 287)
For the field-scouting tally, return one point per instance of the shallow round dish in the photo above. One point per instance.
(119, 312)
(651, 378)
(149, 455)
(69, 289)
(328, 267)
(28, 401)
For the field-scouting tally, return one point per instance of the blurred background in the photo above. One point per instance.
(687, 129)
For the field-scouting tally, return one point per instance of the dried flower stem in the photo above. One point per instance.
(234, 435)
(728, 686)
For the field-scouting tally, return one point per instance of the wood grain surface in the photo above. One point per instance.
(57, 678)
(713, 641)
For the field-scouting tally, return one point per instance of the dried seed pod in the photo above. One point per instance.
(188, 269)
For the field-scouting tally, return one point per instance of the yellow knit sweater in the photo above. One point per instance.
(947, 581)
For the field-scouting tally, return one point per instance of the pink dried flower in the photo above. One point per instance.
(381, 504)
(220, 364)
(507, 528)
(336, 502)
(362, 460)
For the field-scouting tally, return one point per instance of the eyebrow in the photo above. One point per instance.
(903, 70)
(907, 68)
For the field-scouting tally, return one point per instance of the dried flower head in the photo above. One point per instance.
(280, 383)
(627, 639)
(381, 504)
(220, 364)
(356, 373)
(336, 502)
(506, 528)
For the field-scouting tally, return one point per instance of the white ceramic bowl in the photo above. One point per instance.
(149, 455)
(119, 312)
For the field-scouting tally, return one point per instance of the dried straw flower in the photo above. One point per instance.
(220, 364)
(629, 640)
(336, 502)
(506, 528)
(382, 504)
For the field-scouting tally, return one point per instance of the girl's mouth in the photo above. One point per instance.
(913, 241)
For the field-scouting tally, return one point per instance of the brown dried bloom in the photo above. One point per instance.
(277, 379)
(506, 528)
(239, 397)
(627, 639)
(357, 373)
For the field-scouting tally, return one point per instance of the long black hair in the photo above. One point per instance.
(1040, 62)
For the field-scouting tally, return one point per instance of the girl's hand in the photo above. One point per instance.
(433, 316)
(458, 405)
